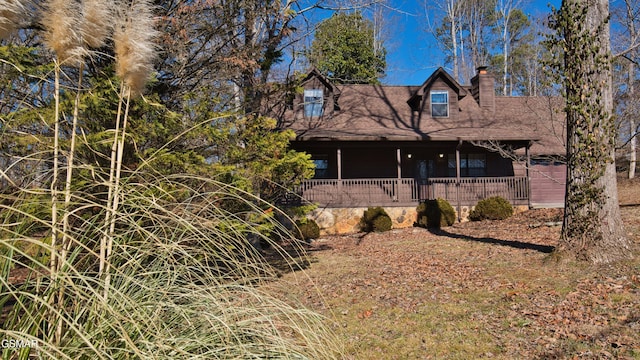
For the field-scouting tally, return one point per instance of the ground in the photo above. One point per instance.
(490, 289)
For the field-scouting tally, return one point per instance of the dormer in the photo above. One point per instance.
(318, 97)
(438, 96)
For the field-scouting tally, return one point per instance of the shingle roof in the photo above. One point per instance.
(378, 112)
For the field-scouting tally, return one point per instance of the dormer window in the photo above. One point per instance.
(439, 103)
(313, 102)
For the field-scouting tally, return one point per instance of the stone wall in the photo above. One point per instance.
(345, 220)
(334, 221)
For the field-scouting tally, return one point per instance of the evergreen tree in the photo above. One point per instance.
(344, 50)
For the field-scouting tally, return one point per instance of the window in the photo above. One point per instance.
(313, 102)
(471, 165)
(322, 166)
(439, 103)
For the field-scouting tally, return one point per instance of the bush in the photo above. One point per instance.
(435, 214)
(375, 219)
(493, 208)
(382, 223)
(307, 229)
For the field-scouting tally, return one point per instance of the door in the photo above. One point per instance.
(424, 170)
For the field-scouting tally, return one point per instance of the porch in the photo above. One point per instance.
(464, 191)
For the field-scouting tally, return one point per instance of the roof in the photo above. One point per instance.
(379, 112)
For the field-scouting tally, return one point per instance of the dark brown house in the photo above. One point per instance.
(396, 145)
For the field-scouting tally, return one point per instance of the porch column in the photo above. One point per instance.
(396, 194)
(339, 161)
(339, 157)
(527, 174)
(399, 158)
(459, 206)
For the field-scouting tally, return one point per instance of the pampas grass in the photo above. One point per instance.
(62, 23)
(11, 12)
(97, 22)
(161, 270)
(134, 46)
(185, 283)
(134, 49)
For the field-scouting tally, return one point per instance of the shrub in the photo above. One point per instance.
(375, 219)
(435, 213)
(382, 223)
(493, 208)
(307, 229)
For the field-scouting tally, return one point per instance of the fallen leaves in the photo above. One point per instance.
(474, 290)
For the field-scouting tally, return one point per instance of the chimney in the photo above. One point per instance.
(483, 89)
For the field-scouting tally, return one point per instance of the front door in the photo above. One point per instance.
(424, 170)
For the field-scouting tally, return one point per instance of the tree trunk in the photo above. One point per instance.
(505, 50)
(633, 148)
(631, 70)
(592, 228)
(452, 10)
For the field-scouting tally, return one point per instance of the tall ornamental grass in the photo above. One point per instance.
(185, 281)
(109, 266)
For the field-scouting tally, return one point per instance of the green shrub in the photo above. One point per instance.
(375, 219)
(435, 213)
(382, 223)
(493, 208)
(307, 229)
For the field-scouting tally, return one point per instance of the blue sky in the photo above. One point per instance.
(412, 54)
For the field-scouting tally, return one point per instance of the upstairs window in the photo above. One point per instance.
(440, 103)
(313, 102)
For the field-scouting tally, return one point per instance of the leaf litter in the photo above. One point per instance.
(489, 289)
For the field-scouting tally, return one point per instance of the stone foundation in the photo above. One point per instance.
(345, 220)
(333, 221)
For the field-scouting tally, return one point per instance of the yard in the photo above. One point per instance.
(474, 290)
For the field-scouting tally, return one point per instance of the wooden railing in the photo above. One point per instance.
(393, 191)
(470, 190)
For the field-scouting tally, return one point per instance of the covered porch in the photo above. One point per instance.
(403, 174)
(408, 191)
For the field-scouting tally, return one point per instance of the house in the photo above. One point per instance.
(393, 146)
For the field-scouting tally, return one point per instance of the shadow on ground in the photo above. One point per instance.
(487, 240)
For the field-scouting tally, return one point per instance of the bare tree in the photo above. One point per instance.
(450, 30)
(505, 9)
(462, 31)
(626, 42)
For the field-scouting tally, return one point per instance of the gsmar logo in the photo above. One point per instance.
(18, 343)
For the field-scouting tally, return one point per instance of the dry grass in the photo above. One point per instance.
(475, 290)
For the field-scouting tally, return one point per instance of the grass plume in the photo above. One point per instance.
(97, 22)
(134, 44)
(61, 22)
(11, 12)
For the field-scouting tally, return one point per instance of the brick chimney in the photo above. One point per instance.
(483, 89)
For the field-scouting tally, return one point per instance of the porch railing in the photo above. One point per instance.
(405, 191)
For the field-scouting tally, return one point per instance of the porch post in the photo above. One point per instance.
(396, 194)
(339, 156)
(527, 174)
(339, 161)
(458, 180)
